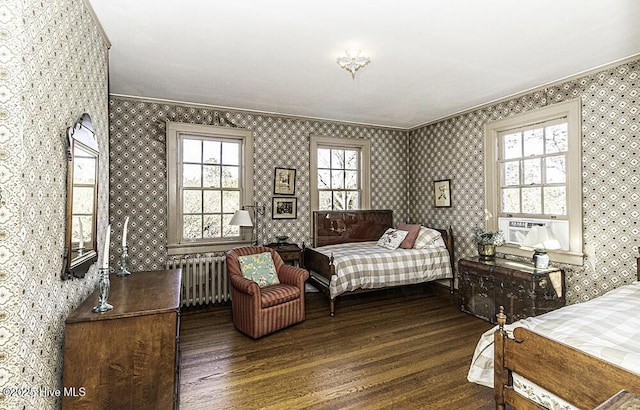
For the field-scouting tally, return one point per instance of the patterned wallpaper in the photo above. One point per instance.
(138, 169)
(453, 148)
(404, 166)
(53, 62)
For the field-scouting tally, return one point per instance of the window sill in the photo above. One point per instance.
(570, 258)
(199, 247)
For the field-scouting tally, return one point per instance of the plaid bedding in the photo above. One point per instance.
(607, 327)
(365, 265)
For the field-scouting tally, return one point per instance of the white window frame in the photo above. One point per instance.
(572, 111)
(175, 132)
(364, 146)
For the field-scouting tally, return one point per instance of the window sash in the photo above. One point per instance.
(220, 236)
(361, 168)
(208, 220)
(570, 112)
(338, 189)
(530, 167)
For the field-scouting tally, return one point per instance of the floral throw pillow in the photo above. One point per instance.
(392, 238)
(259, 268)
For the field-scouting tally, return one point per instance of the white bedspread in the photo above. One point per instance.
(607, 327)
(365, 265)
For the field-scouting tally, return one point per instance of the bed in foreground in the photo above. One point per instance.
(574, 357)
(346, 257)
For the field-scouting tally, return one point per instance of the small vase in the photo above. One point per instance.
(540, 259)
(487, 251)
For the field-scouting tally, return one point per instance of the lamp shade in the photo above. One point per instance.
(241, 218)
(541, 237)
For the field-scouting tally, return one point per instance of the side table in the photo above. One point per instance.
(289, 252)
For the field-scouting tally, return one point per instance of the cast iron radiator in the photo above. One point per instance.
(204, 279)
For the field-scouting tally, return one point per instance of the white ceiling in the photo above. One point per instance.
(429, 59)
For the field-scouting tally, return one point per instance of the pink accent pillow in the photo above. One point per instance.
(410, 239)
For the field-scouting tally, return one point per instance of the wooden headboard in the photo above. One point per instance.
(333, 227)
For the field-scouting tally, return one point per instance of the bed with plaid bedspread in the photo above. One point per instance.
(365, 265)
(607, 327)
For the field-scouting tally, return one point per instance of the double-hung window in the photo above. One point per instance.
(534, 180)
(209, 174)
(340, 173)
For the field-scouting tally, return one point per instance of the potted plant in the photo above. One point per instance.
(487, 242)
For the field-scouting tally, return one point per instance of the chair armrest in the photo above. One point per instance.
(292, 275)
(243, 284)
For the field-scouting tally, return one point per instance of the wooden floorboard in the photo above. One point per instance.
(398, 349)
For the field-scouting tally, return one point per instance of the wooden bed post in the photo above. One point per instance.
(500, 373)
(452, 259)
(332, 300)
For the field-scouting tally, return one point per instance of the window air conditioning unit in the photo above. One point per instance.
(516, 230)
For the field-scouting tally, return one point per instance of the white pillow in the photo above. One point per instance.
(438, 243)
(426, 237)
(392, 238)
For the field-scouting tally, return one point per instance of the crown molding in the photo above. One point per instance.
(252, 111)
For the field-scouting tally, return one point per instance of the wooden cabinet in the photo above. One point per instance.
(523, 290)
(127, 357)
(289, 252)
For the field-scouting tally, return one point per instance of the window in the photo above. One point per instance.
(340, 169)
(533, 181)
(210, 173)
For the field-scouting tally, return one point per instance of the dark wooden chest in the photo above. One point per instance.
(523, 290)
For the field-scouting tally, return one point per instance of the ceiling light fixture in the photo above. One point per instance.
(352, 62)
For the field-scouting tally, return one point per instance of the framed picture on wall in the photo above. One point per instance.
(442, 193)
(284, 208)
(284, 181)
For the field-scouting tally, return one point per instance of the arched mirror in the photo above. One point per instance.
(82, 200)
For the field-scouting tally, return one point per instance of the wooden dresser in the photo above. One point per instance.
(127, 357)
(523, 290)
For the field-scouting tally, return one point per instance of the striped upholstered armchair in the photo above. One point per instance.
(258, 311)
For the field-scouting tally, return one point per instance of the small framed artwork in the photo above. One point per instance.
(284, 208)
(284, 181)
(442, 193)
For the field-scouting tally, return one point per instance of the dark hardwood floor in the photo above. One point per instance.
(401, 349)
